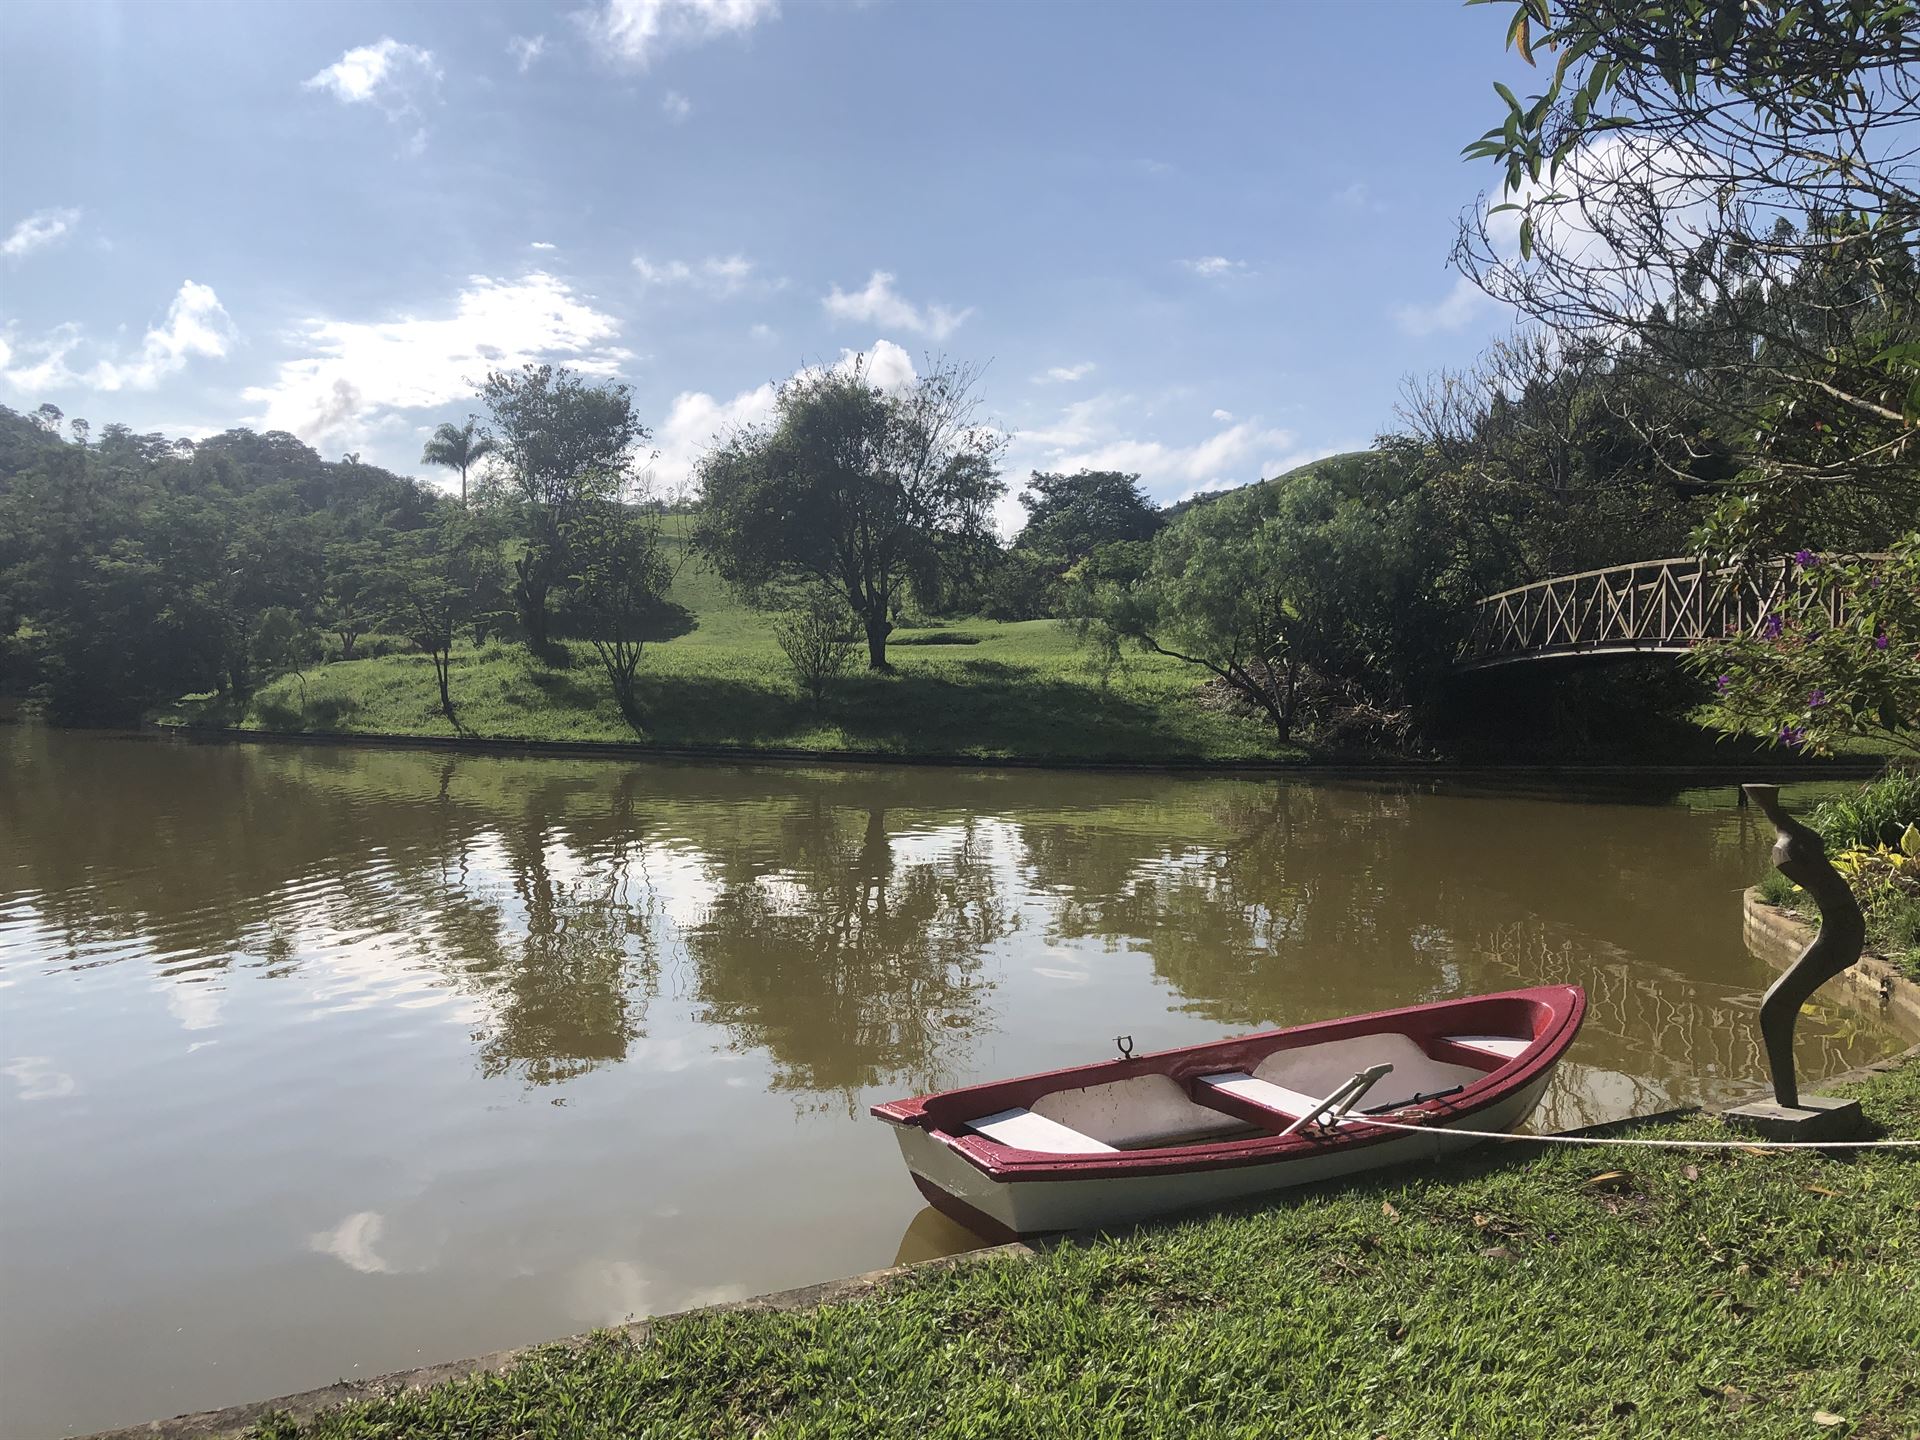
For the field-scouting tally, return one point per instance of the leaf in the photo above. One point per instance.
(1611, 1180)
(1910, 842)
(1828, 1418)
(1822, 1190)
(1692, 1172)
(1386, 1209)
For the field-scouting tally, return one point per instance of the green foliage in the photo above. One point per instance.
(1071, 516)
(1880, 813)
(1325, 576)
(1811, 683)
(620, 586)
(442, 584)
(567, 446)
(459, 447)
(854, 487)
(1718, 1296)
(817, 636)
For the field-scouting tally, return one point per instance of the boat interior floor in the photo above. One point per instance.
(1155, 1111)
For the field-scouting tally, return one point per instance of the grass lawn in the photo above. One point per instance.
(1691, 1294)
(972, 687)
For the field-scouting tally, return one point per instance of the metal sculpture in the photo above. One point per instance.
(1801, 855)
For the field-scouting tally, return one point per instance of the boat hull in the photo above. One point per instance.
(1002, 1210)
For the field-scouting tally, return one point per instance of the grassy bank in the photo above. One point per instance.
(973, 687)
(1620, 1293)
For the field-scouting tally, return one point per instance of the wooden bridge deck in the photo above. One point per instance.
(1650, 607)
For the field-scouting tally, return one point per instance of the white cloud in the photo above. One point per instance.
(880, 304)
(696, 419)
(1217, 267)
(1062, 374)
(1358, 196)
(676, 106)
(391, 76)
(357, 372)
(635, 32)
(763, 333)
(39, 230)
(1223, 415)
(1457, 309)
(716, 275)
(544, 245)
(196, 324)
(525, 49)
(1093, 434)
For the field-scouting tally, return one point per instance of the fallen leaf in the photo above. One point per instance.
(1386, 1209)
(1611, 1180)
(1480, 1222)
(1821, 1190)
(1498, 1252)
(1692, 1172)
(1827, 1417)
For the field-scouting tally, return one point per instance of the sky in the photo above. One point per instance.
(1201, 242)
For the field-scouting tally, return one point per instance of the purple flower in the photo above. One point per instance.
(1791, 735)
(1880, 641)
(1772, 626)
(1816, 697)
(1805, 559)
(1724, 684)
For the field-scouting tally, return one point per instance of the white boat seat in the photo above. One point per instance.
(1264, 1093)
(1024, 1130)
(1503, 1046)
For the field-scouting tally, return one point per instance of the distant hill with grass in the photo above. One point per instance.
(1180, 507)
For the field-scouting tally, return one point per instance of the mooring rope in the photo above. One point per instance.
(1441, 1129)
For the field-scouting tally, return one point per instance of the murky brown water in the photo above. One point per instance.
(320, 1062)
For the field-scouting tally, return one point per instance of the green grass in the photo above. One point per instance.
(1721, 1294)
(972, 687)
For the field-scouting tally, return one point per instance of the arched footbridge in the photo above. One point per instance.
(1657, 607)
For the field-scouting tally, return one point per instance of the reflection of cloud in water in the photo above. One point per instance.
(195, 1002)
(612, 1292)
(681, 887)
(351, 1242)
(38, 1080)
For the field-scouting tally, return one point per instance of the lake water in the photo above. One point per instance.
(321, 1062)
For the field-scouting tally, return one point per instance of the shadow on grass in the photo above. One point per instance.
(993, 706)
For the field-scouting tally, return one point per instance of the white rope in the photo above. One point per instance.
(1441, 1129)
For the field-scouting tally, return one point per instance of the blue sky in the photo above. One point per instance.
(1203, 242)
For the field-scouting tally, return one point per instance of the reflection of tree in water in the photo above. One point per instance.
(851, 967)
(1285, 906)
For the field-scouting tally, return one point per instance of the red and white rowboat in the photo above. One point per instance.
(1124, 1139)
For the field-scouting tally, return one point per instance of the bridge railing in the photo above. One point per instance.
(1649, 606)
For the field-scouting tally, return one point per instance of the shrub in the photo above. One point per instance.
(818, 637)
(1878, 815)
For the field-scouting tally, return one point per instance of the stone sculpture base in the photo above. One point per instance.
(1816, 1117)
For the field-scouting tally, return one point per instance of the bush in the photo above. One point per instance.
(818, 638)
(1878, 815)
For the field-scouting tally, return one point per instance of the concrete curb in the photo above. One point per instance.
(1778, 937)
(232, 1422)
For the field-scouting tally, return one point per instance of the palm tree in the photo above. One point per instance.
(459, 446)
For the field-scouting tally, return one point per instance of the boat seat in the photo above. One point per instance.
(1503, 1046)
(1264, 1093)
(1024, 1130)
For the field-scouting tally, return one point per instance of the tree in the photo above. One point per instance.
(1070, 516)
(439, 584)
(620, 585)
(855, 487)
(1726, 193)
(567, 445)
(350, 601)
(817, 636)
(1326, 575)
(459, 447)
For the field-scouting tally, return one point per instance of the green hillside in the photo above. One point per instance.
(970, 687)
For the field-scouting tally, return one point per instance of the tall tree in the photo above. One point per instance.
(567, 445)
(620, 586)
(856, 487)
(1070, 516)
(459, 447)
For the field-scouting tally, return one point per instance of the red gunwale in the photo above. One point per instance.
(1551, 1013)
